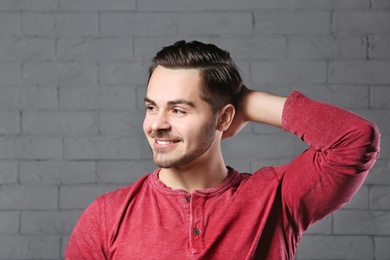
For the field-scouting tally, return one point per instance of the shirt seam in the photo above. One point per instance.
(182, 193)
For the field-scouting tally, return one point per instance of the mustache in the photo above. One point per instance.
(163, 134)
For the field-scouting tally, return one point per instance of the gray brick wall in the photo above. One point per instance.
(73, 76)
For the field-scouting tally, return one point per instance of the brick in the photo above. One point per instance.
(48, 222)
(128, 73)
(80, 196)
(326, 47)
(141, 94)
(121, 123)
(123, 172)
(9, 222)
(177, 5)
(64, 242)
(380, 4)
(8, 172)
(97, 49)
(29, 247)
(28, 98)
(97, 5)
(385, 147)
(359, 72)
(380, 117)
(16, 49)
(322, 227)
(379, 97)
(215, 23)
(97, 98)
(16, 197)
(266, 129)
(358, 222)
(138, 24)
(60, 24)
(276, 88)
(379, 47)
(27, 5)
(252, 147)
(329, 4)
(61, 74)
(309, 23)
(380, 198)
(379, 174)
(360, 199)
(105, 147)
(335, 247)
(254, 48)
(60, 122)
(244, 69)
(346, 96)
(100, 45)
(145, 48)
(382, 249)
(361, 22)
(10, 73)
(57, 172)
(288, 72)
(9, 24)
(30, 147)
(9, 122)
(239, 165)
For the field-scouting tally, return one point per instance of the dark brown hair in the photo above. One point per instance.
(221, 79)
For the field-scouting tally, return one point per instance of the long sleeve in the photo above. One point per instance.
(343, 148)
(87, 238)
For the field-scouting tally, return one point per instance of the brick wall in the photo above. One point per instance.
(72, 81)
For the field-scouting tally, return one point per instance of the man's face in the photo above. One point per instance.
(178, 124)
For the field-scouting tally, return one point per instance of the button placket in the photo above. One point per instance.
(196, 232)
(197, 225)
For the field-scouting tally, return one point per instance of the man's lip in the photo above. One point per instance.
(165, 141)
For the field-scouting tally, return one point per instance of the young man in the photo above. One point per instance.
(195, 207)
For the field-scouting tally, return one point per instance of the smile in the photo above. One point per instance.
(165, 142)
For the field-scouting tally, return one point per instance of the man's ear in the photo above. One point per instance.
(225, 117)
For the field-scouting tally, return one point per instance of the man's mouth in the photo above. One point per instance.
(166, 142)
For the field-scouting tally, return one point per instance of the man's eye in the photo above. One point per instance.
(178, 111)
(150, 108)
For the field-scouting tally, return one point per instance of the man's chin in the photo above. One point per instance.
(163, 163)
(166, 163)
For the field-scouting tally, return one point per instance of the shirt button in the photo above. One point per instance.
(188, 199)
(196, 232)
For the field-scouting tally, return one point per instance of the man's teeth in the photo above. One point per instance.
(164, 142)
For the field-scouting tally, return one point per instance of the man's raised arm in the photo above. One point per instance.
(256, 106)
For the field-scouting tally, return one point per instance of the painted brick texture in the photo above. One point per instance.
(72, 80)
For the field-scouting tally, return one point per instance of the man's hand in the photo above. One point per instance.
(256, 106)
(239, 120)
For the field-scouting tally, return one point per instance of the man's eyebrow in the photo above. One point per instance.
(146, 99)
(172, 102)
(181, 101)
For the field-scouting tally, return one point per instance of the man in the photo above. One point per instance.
(195, 207)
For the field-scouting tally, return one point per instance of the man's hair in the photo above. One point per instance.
(220, 77)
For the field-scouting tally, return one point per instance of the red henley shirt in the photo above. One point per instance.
(248, 216)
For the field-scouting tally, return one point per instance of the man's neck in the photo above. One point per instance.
(194, 176)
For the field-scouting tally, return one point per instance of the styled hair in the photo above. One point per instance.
(220, 78)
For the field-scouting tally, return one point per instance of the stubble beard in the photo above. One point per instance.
(168, 159)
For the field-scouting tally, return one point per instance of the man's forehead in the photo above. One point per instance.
(170, 85)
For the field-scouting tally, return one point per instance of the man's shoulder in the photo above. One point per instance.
(124, 193)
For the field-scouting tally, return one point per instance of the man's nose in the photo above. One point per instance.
(161, 121)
